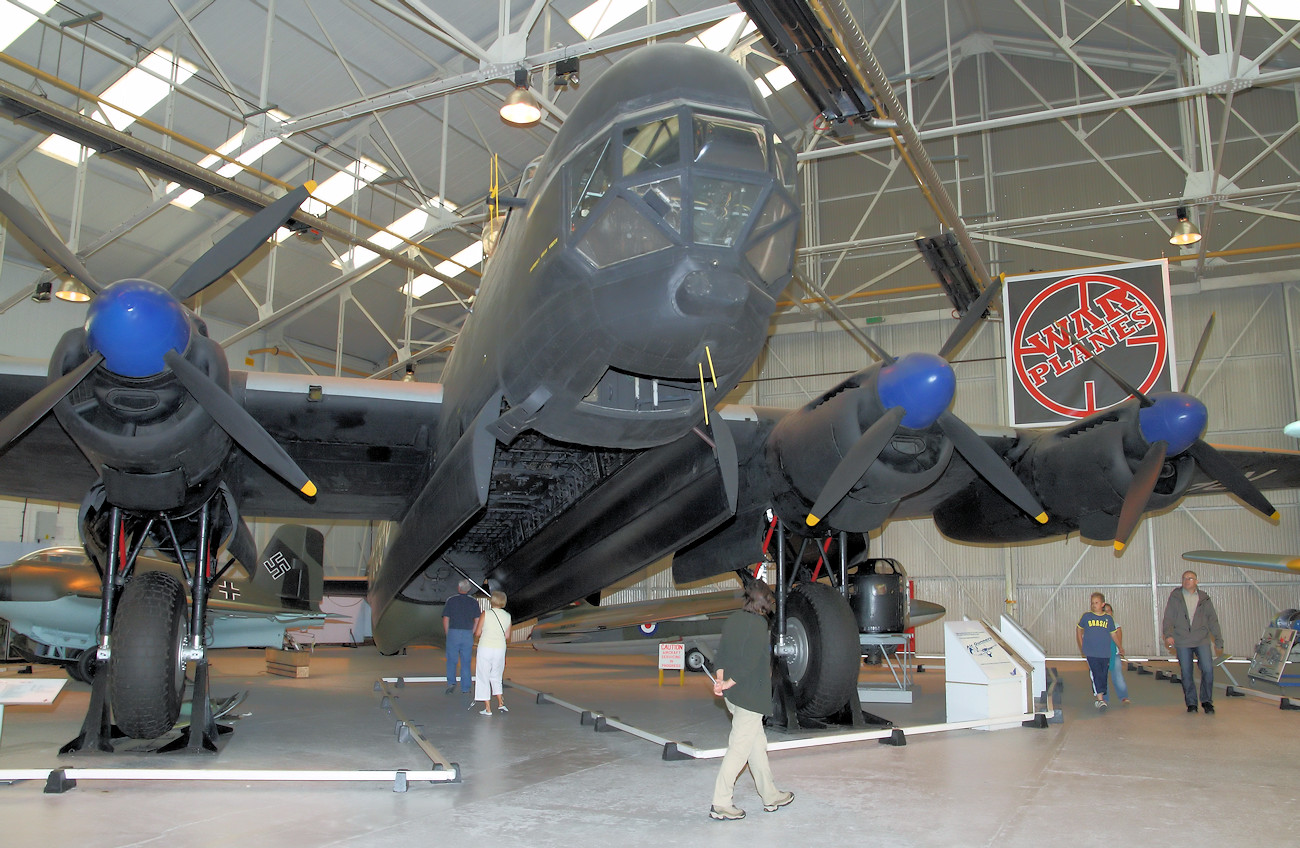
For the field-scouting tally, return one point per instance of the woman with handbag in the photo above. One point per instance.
(493, 632)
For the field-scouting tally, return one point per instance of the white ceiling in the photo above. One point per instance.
(1018, 102)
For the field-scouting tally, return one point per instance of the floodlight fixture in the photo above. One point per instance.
(72, 291)
(1185, 231)
(521, 108)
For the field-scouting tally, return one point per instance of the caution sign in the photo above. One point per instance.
(1121, 312)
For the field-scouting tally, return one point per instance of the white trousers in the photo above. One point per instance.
(490, 666)
(746, 744)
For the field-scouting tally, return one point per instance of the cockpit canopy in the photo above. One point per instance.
(683, 178)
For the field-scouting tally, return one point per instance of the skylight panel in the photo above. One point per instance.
(1284, 9)
(14, 21)
(774, 80)
(135, 93)
(724, 33)
(604, 15)
(457, 265)
(342, 185)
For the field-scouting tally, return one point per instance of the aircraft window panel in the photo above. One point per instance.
(589, 178)
(787, 166)
(664, 197)
(730, 144)
(771, 256)
(774, 211)
(619, 234)
(721, 210)
(530, 172)
(652, 146)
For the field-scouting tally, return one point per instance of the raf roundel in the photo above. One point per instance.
(134, 323)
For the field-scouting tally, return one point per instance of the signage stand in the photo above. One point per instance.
(985, 679)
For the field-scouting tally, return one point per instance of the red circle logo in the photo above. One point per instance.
(1103, 312)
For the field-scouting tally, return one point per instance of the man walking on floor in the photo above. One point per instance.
(459, 616)
(1190, 624)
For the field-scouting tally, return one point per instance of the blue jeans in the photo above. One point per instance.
(459, 645)
(1205, 659)
(1117, 676)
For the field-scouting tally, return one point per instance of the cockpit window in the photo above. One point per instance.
(526, 181)
(722, 208)
(729, 144)
(590, 177)
(786, 165)
(652, 146)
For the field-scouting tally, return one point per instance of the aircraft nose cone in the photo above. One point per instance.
(923, 384)
(133, 323)
(1178, 418)
(712, 293)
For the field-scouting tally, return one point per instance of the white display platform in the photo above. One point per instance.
(32, 690)
(984, 680)
(1030, 651)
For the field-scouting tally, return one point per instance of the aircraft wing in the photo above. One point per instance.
(1266, 468)
(366, 444)
(1265, 562)
(586, 618)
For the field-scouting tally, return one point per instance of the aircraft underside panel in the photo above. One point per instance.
(657, 503)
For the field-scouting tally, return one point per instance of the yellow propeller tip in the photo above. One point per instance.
(811, 520)
(1119, 546)
(1041, 518)
(1275, 516)
(310, 185)
(310, 489)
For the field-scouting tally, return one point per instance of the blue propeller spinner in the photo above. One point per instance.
(1176, 418)
(923, 384)
(133, 324)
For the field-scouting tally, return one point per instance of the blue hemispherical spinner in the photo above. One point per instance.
(133, 323)
(923, 384)
(1176, 417)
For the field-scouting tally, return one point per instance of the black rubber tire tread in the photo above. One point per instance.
(695, 660)
(147, 630)
(832, 670)
(83, 668)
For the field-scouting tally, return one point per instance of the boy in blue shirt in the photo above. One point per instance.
(1096, 633)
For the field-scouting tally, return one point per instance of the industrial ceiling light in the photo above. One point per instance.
(520, 108)
(41, 294)
(1185, 231)
(72, 291)
(566, 73)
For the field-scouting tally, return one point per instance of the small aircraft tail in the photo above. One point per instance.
(291, 565)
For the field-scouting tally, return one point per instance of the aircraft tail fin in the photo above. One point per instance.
(292, 565)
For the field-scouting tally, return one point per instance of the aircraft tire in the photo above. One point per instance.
(695, 660)
(824, 669)
(84, 667)
(147, 675)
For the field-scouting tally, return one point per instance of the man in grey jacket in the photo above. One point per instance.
(1190, 625)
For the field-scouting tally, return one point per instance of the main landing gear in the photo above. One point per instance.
(816, 641)
(148, 634)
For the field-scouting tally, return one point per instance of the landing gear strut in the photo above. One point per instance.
(817, 650)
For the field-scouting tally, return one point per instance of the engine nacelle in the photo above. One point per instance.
(154, 447)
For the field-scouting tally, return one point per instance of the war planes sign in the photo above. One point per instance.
(1121, 312)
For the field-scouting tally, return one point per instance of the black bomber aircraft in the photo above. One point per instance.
(577, 436)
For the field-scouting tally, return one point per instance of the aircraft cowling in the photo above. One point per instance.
(154, 448)
(1082, 471)
(807, 445)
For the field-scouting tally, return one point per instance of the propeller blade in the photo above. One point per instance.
(236, 421)
(1215, 465)
(239, 244)
(855, 463)
(1200, 351)
(55, 250)
(973, 315)
(24, 417)
(1112, 373)
(1139, 492)
(990, 466)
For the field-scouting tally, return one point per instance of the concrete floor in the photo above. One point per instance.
(1146, 773)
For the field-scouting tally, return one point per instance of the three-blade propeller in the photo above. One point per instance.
(137, 329)
(1172, 424)
(916, 390)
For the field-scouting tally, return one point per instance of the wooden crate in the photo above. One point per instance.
(288, 663)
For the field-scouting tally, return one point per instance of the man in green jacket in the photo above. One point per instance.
(744, 672)
(1190, 625)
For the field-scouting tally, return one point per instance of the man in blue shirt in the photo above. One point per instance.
(1096, 633)
(459, 615)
